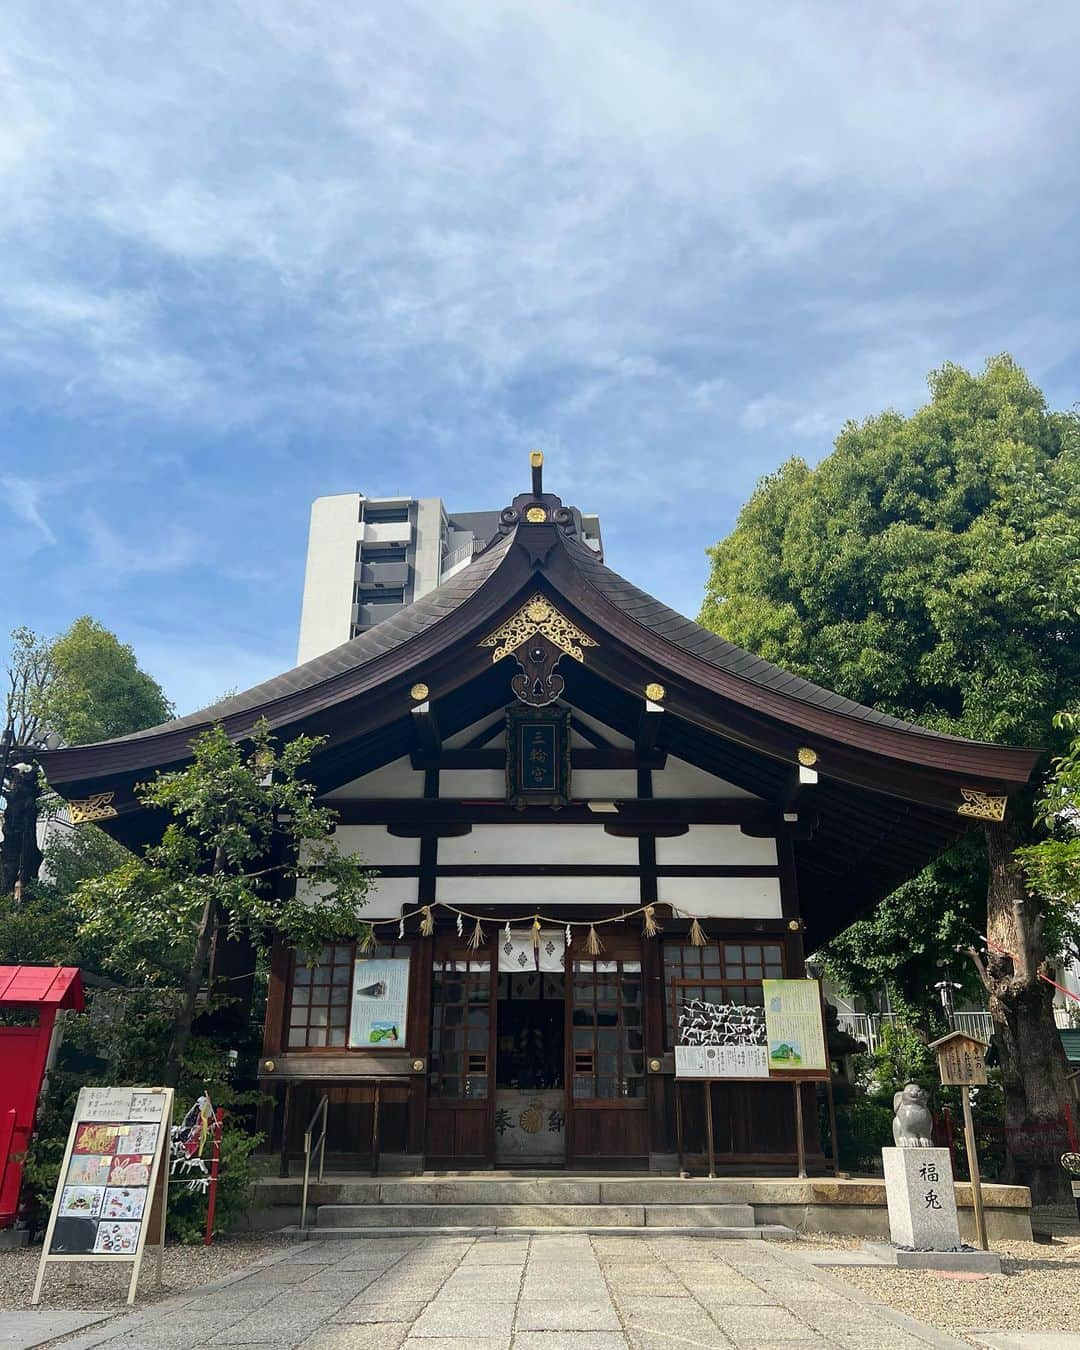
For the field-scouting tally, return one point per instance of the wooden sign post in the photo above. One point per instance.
(783, 1040)
(113, 1185)
(962, 1063)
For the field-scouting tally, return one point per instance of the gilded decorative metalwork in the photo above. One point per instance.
(538, 616)
(655, 693)
(981, 805)
(419, 692)
(807, 757)
(536, 515)
(98, 806)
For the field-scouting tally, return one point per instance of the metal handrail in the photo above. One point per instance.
(320, 1144)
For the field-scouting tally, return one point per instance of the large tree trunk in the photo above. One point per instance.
(1033, 1061)
(20, 857)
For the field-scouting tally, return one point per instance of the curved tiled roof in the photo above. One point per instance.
(358, 651)
(707, 646)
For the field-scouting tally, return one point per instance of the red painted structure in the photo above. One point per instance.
(39, 992)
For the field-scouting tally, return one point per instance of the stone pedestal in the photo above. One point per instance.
(922, 1202)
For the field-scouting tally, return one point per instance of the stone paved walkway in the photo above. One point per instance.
(551, 1292)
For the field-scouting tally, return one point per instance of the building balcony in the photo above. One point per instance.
(376, 573)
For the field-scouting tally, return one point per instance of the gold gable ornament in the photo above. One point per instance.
(981, 805)
(538, 615)
(98, 806)
(538, 637)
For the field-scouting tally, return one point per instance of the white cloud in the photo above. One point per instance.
(23, 498)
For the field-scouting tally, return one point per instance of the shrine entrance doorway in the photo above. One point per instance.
(530, 1060)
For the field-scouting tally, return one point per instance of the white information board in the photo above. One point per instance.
(380, 1000)
(111, 1192)
(721, 1061)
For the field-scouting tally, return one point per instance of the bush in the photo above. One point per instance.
(864, 1127)
(123, 1038)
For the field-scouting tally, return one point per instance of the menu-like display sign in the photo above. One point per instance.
(111, 1190)
(380, 1000)
(794, 1029)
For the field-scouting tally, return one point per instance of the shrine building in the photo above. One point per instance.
(584, 810)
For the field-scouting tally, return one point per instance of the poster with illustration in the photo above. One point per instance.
(112, 1179)
(130, 1169)
(92, 1137)
(124, 1202)
(794, 1030)
(117, 1239)
(380, 995)
(89, 1169)
(82, 1201)
(137, 1139)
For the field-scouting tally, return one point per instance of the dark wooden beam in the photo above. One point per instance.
(426, 730)
(647, 732)
(656, 812)
(580, 758)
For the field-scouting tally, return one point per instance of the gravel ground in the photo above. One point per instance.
(1039, 1290)
(101, 1286)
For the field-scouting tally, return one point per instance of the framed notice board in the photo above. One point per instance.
(111, 1193)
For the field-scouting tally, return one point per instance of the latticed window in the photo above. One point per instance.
(321, 986)
(719, 972)
(460, 1027)
(608, 1049)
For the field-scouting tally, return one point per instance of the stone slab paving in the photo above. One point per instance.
(554, 1291)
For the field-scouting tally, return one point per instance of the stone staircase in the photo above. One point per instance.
(425, 1204)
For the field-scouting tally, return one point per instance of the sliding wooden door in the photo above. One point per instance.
(605, 1049)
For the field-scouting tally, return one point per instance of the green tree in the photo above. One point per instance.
(244, 825)
(1053, 865)
(97, 689)
(930, 566)
(82, 686)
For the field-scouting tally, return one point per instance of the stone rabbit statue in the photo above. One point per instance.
(912, 1125)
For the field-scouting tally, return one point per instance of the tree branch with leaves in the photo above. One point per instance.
(247, 850)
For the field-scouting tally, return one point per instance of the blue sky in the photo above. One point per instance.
(259, 251)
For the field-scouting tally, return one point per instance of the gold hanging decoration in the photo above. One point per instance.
(650, 928)
(477, 937)
(367, 940)
(593, 945)
(536, 933)
(697, 934)
(427, 923)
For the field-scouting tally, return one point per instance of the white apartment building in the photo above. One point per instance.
(368, 557)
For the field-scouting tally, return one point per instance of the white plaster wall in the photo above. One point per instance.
(716, 844)
(463, 737)
(585, 844)
(377, 846)
(326, 609)
(389, 896)
(539, 891)
(722, 897)
(604, 784)
(680, 779)
(486, 785)
(609, 734)
(396, 779)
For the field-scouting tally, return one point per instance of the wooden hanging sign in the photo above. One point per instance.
(961, 1060)
(111, 1194)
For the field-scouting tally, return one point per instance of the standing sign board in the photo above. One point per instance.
(785, 1040)
(380, 1000)
(111, 1193)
